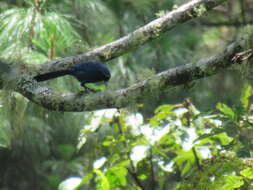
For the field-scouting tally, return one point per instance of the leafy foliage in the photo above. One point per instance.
(200, 150)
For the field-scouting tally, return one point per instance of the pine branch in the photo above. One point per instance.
(152, 30)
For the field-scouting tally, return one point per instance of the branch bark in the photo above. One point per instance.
(49, 99)
(152, 30)
(135, 93)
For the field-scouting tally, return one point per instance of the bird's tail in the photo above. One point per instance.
(51, 75)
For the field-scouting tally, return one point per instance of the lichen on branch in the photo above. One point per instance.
(136, 93)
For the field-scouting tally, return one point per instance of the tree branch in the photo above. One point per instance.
(135, 93)
(152, 30)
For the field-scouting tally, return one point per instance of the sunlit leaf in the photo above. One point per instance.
(185, 160)
(248, 173)
(140, 141)
(214, 132)
(166, 107)
(222, 139)
(116, 176)
(161, 113)
(102, 181)
(232, 182)
(108, 141)
(167, 139)
(226, 110)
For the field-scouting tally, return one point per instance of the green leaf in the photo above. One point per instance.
(247, 173)
(223, 139)
(124, 163)
(102, 181)
(214, 132)
(162, 113)
(226, 110)
(185, 160)
(167, 140)
(245, 96)
(140, 141)
(108, 141)
(117, 176)
(220, 139)
(164, 108)
(232, 182)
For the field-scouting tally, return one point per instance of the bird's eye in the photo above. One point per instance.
(107, 77)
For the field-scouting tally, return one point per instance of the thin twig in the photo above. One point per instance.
(196, 158)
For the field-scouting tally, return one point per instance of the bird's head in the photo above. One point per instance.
(105, 72)
(107, 76)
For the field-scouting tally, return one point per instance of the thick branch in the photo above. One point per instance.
(136, 93)
(152, 30)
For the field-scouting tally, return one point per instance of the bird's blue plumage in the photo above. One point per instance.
(90, 72)
(85, 72)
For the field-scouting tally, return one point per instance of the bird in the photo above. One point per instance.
(84, 72)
